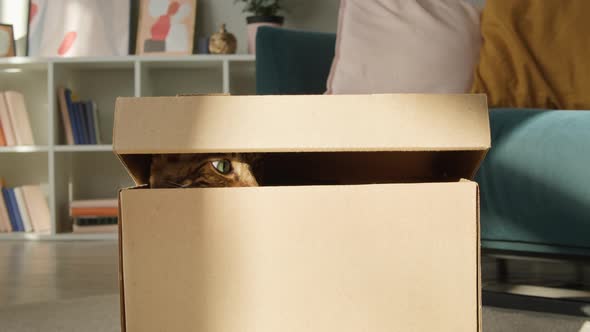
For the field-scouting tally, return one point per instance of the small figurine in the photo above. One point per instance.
(222, 42)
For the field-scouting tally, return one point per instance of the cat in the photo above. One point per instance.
(203, 170)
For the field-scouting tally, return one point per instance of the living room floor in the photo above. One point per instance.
(73, 286)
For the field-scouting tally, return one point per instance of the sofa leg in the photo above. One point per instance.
(502, 270)
(580, 276)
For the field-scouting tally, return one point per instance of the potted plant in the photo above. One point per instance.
(263, 12)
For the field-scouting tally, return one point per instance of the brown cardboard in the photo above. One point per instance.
(399, 257)
(388, 122)
(385, 122)
(371, 257)
(121, 278)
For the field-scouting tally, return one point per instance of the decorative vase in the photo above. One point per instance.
(257, 21)
(222, 42)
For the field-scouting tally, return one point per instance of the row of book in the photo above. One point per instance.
(24, 209)
(79, 118)
(94, 216)
(15, 127)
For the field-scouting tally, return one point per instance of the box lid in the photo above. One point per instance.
(303, 123)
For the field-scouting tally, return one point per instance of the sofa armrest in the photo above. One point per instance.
(535, 181)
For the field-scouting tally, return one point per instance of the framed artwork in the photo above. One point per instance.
(7, 45)
(166, 26)
(69, 28)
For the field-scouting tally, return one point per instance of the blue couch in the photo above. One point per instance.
(534, 182)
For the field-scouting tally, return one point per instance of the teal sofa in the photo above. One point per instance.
(534, 182)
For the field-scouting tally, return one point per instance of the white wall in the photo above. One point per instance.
(316, 15)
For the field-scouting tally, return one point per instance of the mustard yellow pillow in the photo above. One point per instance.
(535, 53)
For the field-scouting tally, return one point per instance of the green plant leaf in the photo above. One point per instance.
(261, 7)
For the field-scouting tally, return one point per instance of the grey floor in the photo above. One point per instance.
(33, 272)
(72, 286)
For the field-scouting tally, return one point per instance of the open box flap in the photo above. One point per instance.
(309, 123)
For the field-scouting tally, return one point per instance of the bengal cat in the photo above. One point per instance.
(203, 170)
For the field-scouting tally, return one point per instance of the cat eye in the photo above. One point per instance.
(222, 166)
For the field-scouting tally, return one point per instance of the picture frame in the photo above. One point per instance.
(166, 27)
(58, 28)
(7, 43)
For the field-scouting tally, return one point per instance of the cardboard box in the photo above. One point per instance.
(393, 247)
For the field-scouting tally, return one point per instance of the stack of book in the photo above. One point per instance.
(79, 118)
(24, 209)
(15, 127)
(95, 216)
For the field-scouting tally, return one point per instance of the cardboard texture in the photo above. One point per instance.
(389, 122)
(370, 254)
(301, 123)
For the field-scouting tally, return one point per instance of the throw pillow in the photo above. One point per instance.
(535, 54)
(401, 46)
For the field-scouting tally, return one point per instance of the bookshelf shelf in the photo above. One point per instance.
(105, 61)
(61, 236)
(23, 149)
(68, 172)
(84, 148)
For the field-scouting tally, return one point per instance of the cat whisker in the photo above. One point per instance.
(176, 185)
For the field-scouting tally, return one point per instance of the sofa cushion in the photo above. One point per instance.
(397, 46)
(535, 54)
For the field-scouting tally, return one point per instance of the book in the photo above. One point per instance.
(93, 221)
(2, 139)
(12, 207)
(77, 124)
(89, 106)
(6, 123)
(5, 225)
(95, 229)
(86, 118)
(83, 127)
(95, 225)
(94, 208)
(94, 211)
(65, 115)
(9, 209)
(22, 208)
(96, 124)
(37, 208)
(73, 117)
(81, 122)
(19, 118)
(94, 203)
(82, 116)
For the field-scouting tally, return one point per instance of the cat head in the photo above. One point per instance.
(202, 170)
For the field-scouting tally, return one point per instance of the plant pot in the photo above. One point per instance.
(257, 21)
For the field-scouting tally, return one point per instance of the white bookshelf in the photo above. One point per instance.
(57, 237)
(83, 148)
(68, 172)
